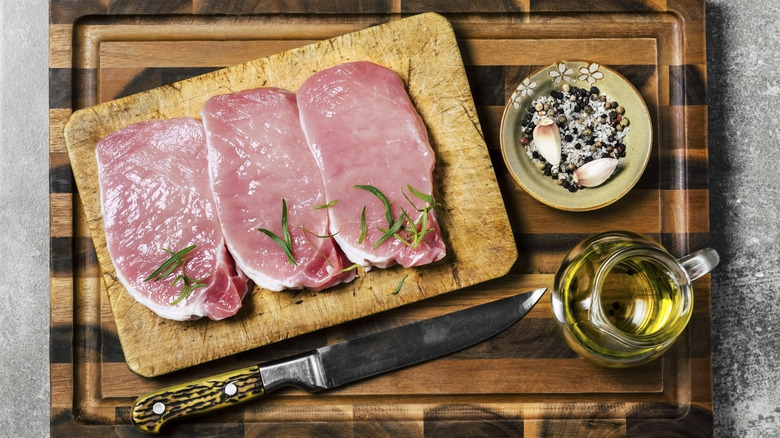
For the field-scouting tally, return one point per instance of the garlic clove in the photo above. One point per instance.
(595, 172)
(547, 138)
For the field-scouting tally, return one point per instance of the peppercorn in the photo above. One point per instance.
(550, 112)
(572, 98)
(535, 154)
(620, 109)
(528, 130)
(602, 98)
(572, 188)
(561, 119)
(570, 167)
(577, 146)
(619, 127)
(624, 121)
(539, 106)
(524, 141)
(568, 137)
(587, 132)
(613, 104)
(588, 109)
(566, 88)
(594, 97)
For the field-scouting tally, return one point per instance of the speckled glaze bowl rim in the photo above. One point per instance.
(638, 149)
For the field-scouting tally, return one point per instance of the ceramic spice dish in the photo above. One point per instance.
(603, 141)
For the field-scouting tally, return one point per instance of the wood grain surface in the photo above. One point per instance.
(524, 382)
(423, 50)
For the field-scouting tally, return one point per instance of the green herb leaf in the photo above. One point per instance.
(306, 236)
(388, 209)
(400, 285)
(281, 243)
(427, 198)
(349, 268)
(285, 244)
(389, 233)
(363, 226)
(169, 265)
(328, 205)
(285, 228)
(189, 286)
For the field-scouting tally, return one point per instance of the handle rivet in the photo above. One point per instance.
(231, 389)
(158, 408)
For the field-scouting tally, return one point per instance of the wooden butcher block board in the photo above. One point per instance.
(422, 49)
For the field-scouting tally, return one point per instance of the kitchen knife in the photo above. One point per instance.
(335, 365)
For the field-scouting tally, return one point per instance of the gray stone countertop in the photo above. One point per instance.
(743, 40)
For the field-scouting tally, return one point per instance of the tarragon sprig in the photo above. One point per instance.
(285, 244)
(175, 261)
(190, 285)
(400, 285)
(416, 231)
(169, 265)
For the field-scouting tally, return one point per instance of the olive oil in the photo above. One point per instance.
(621, 300)
(639, 297)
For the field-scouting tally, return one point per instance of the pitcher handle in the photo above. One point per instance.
(700, 262)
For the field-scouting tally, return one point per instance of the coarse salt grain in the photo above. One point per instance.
(576, 123)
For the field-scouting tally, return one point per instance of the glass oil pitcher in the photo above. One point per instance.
(621, 300)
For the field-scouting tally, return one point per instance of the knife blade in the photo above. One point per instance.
(335, 365)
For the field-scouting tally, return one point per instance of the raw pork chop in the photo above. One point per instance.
(156, 196)
(258, 158)
(363, 130)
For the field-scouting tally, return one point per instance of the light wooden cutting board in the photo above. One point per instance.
(423, 50)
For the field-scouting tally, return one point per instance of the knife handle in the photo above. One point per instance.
(153, 410)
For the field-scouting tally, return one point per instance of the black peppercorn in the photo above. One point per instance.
(568, 137)
(572, 188)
